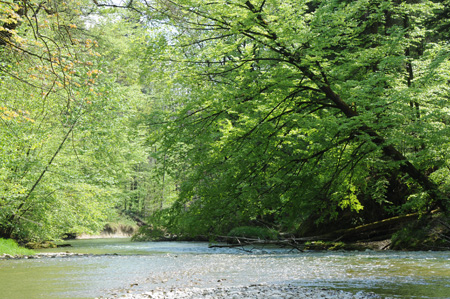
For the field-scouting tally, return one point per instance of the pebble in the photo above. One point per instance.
(42, 255)
(253, 291)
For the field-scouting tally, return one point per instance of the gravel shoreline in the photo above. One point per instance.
(52, 255)
(252, 291)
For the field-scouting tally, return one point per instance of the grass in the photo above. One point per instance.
(9, 246)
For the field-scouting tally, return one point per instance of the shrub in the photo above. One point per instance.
(149, 233)
(11, 247)
(254, 232)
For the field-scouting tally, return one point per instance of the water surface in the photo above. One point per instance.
(142, 266)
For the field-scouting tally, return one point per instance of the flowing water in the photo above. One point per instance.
(143, 266)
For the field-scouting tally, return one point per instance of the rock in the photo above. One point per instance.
(253, 291)
(40, 245)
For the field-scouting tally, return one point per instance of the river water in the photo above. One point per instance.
(143, 266)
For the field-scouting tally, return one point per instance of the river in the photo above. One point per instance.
(141, 266)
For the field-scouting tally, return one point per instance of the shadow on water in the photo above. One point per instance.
(140, 267)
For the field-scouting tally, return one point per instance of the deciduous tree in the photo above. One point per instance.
(293, 108)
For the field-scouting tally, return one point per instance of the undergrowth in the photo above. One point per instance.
(9, 246)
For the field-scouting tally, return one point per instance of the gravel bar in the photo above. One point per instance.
(253, 291)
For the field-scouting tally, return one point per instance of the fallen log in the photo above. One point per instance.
(375, 231)
(233, 242)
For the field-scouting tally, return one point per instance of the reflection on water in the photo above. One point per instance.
(143, 266)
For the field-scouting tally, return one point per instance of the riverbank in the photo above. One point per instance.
(51, 255)
(10, 247)
(252, 291)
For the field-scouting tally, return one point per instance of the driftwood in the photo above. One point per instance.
(376, 231)
(240, 242)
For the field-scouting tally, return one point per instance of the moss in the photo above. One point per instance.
(40, 245)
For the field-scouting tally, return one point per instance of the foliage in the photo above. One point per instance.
(65, 132)
(40, 245)
(254, 232)
(283, 111)
(407, 238)
(213, 116)
(120, 229)
(431, 233)
(9, 246)
(149, 233)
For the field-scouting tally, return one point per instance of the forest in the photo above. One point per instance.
(201, 119)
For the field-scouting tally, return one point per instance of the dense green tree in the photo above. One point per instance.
(216, 115)
(289, 110)
(68, 145)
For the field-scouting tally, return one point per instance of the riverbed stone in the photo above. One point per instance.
(253, 291)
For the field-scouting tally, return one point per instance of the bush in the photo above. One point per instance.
(149, 233)
(119, 228)
(40, 245)
(426, 234)
(254, 232)
(11, 247)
